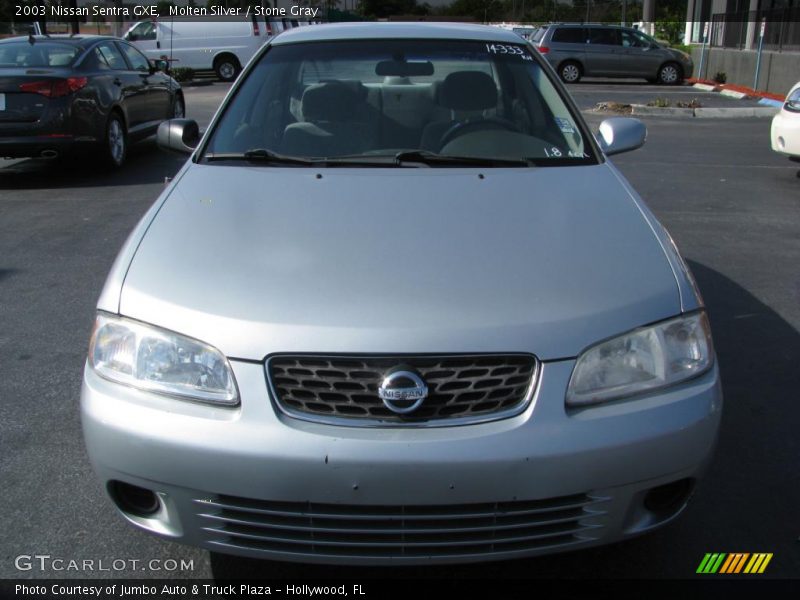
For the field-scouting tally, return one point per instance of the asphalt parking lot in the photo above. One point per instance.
(732, 206)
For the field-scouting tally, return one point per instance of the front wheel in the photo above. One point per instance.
(178, 107)
(670, 74)
(116, 142)
(570, 72)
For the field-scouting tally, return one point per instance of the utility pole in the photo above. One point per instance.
(42, 19)
(648, 15)
(74, 27)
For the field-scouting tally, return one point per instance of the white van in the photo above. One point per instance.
(218, 44)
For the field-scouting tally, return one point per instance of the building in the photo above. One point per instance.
(730, 33)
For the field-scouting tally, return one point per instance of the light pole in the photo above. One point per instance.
(486, 8)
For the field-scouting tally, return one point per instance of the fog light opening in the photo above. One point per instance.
(667, 499)
(133, 499)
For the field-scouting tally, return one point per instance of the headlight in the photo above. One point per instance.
(160, 361)
(642, 360)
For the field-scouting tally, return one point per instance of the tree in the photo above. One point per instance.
(381, 9)
(480, 10)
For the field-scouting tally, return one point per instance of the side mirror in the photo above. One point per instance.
(131, 37)
(160, 65)
(621, 134)
(178, 135)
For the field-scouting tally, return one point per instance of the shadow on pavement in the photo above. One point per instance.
(627, 82)
(145, 164)
(758, 353)
(6, 273)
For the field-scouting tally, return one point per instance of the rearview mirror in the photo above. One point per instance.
(621, 134)
(178, 135)
(402, 68)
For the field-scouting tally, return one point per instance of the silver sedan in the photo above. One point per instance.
(343, 335)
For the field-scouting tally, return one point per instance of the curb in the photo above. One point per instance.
(733, 94)
(668, 111)
(742, 92)
(771, 102)
(745, 112)
(729, 113)
(705, 113)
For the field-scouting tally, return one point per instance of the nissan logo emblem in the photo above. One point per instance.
(402, 392)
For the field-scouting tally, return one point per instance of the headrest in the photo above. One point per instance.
(468, 90)
(332, 100)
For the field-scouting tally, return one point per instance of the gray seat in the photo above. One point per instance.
(330, 127)
(467, 94)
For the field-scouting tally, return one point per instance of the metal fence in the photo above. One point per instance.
(781, 32)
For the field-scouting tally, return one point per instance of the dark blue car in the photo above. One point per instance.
(59, 94)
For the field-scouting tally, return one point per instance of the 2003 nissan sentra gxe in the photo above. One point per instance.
(399, 307)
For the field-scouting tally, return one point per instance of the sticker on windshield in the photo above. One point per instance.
(564, 125)
(508, 49)
(554, 152)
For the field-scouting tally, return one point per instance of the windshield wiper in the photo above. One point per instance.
(427, 157)
(262, 155)
(401, 159)
(265, 156)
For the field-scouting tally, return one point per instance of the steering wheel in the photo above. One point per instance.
(481, 124)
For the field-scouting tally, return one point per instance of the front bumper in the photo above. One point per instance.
(252, 482)
(785, 133)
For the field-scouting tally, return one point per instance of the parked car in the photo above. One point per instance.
(523, 32)
(59, 94)
(577, 51)
(785, 131)
(220, 44)
(374, 349)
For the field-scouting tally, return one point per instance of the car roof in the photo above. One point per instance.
(576, 25)
(415, 30)
(75, 40)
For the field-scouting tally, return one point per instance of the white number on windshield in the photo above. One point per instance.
(506, 49)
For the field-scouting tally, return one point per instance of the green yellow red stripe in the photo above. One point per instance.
(734, 563)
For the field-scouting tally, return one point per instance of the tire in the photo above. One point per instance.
(670, 74)
(227, 67)
(570, 71)
(178, 108)
(115, 144)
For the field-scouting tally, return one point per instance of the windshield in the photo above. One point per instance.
(646, 39)
(404, 99)
(38, 54)
(146, 30)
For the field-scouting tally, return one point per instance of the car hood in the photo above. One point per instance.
(256, 260)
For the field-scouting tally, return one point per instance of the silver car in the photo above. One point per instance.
(576, 51)
(343, 335)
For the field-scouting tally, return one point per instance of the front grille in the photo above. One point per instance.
(346, 388)
(394, 531)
